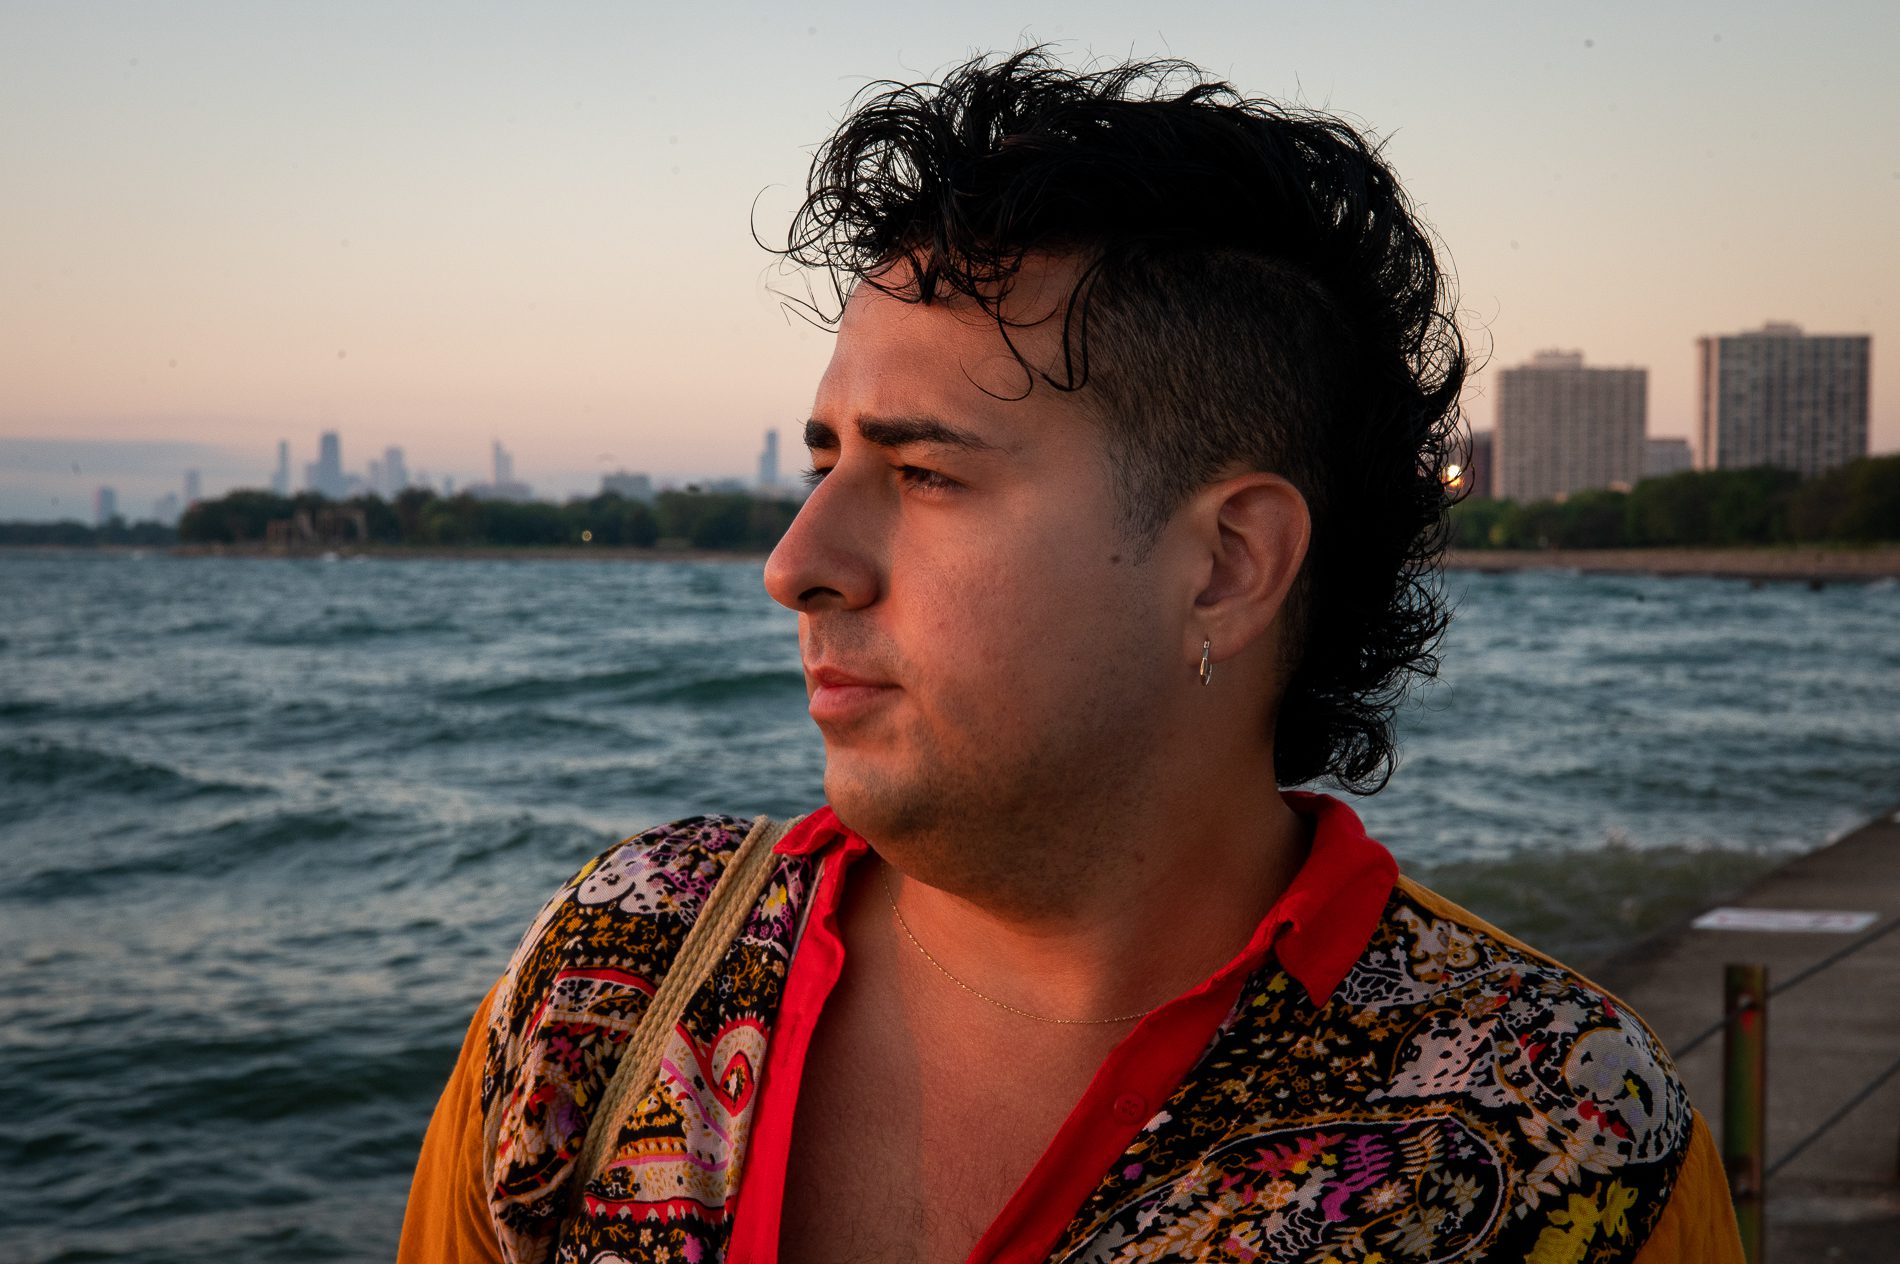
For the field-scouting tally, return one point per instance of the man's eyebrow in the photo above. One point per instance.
(897, 432)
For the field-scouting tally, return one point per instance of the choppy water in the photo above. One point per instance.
(268, 829)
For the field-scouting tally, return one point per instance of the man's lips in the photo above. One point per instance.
(825, 677)
(838, 695)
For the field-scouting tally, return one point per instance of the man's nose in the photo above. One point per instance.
(827, 557)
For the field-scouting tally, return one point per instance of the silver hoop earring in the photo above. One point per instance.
(1207, 662)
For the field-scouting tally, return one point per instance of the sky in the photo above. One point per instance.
(440, 225)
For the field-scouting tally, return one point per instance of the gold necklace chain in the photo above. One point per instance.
(1062, 1022)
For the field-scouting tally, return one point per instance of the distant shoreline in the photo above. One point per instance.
(414, 553)
(1791, 563)
(478, 552)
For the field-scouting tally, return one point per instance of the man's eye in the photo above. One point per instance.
(815, 474)
(929, 480)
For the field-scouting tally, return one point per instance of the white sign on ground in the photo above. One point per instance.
(1810, 921)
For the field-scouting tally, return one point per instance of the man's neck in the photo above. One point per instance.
(1106, 917)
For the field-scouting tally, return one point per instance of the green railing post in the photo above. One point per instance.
(1745, 1098)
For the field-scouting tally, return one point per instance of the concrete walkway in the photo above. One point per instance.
(1827, 1037)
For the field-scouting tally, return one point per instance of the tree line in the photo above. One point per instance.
(69, 534)
(1859, 503)
(418, 517)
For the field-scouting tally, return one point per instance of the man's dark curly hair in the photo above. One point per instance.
(1253, 290)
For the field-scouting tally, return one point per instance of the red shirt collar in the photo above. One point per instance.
(1318, 927)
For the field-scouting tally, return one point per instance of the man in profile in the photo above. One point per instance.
(1127, 507)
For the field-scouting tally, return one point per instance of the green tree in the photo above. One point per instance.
(1473, 523)
(1872, 511)
(1590, 520)
(240, 517)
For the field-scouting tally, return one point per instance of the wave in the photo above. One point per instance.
(346, 632)
(43, 764)
(516, 726)
(741, 687)
(653, 685)
(540, 688)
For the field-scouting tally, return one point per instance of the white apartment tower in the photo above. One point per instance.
(1562, 427)
(1777, 396)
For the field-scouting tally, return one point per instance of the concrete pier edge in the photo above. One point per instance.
(1828, 1036)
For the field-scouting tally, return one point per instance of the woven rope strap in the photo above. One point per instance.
(725, 911)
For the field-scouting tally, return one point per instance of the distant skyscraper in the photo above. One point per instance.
(105, 505)
(768, 463)
(1777, 396)
(166, 508)
(395, 472)
(1666, 456)
(280, 481)
(194, 487)
(503, 486)
(325, 476)
(1565, 428)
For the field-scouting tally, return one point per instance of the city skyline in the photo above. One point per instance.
(429, 228)
(1553, 440)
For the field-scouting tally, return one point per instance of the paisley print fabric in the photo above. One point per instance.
(1458, 1097)
(574, 991)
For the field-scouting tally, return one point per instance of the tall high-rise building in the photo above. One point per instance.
(105, 505)
(280, 481)
(1777, 396)
(768, 463)
(503, 486)
(194, 487)
(325, 475)
(395, 472)
(1562, 427)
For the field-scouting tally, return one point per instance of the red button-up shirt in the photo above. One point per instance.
(1316, 930)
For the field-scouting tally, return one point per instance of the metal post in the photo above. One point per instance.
(1745, 1098)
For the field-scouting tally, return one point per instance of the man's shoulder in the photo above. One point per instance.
(1458, 1096)
(580, 984)
(1571, 1089)
(619, 919)
(666, 869)
(1516, 1033)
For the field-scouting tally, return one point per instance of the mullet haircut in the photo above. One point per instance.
(1254, 290)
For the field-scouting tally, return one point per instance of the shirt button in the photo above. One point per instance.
(1131, 1108)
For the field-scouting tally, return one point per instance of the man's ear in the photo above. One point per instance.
(1253, 530)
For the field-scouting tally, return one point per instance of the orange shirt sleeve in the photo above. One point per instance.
(446, 1221)
(1698, 1225)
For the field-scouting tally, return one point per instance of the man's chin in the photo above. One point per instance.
(877, 802)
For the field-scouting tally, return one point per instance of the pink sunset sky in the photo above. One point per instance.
(436, 225)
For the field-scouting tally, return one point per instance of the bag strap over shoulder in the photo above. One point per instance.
(718, 924)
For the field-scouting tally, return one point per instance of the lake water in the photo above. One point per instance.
(269, 829)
